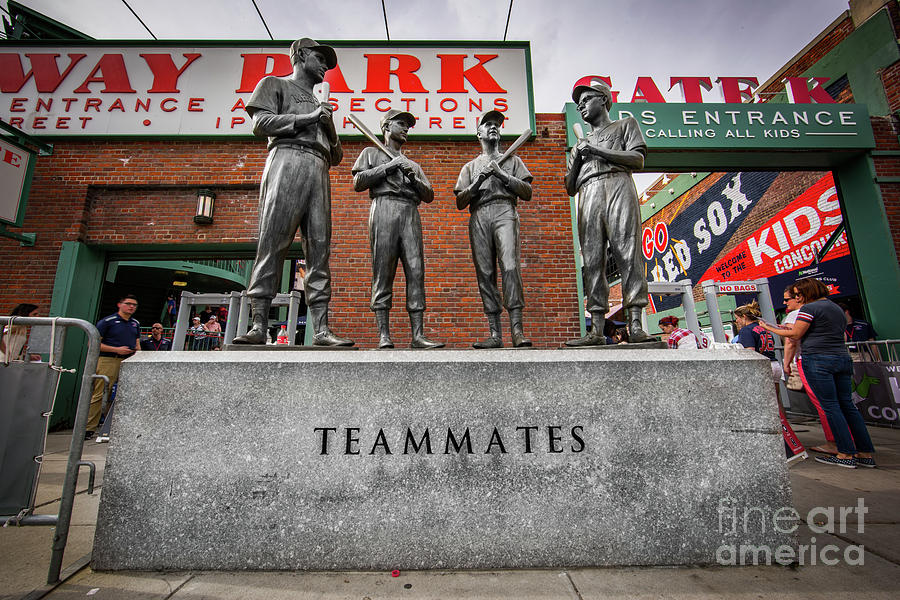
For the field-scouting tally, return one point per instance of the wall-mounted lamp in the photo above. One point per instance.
(179, 283)
(206, 200)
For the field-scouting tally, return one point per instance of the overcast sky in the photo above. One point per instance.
(569, 38)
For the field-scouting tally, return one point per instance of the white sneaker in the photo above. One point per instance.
(102, 438)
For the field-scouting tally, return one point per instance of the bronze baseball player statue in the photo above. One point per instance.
(295, 191)
(397, 186)
(608, 210)
(491, 190)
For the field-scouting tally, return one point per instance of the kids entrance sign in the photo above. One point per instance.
(171, 89)
(771, 127)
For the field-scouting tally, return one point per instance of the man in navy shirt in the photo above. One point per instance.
(857, 330)
(119, 339)
(156, 341)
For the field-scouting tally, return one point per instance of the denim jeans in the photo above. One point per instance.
(829, 376)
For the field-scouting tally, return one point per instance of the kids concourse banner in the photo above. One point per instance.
(789, 240)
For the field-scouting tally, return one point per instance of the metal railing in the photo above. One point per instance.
(63, 519)
(238, 314)
(875, 351)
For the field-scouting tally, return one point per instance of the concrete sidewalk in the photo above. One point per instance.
(25, 553)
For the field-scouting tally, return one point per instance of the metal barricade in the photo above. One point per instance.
(202, 340)
(239, 305)
(683, 288)
(182, 324)
(875, 351)
(291, 300)
(18, 382)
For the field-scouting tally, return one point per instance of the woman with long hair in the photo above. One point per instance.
(828, 369)
(15, 337)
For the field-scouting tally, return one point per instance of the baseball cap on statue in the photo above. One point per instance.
(398, 114)
(596, 86)
(492, 115)
(328, 51)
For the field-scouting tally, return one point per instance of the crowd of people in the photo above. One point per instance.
(815, 333)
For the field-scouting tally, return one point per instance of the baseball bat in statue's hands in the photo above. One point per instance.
(509, 152)
(463, 199)
(322, 93)
(370, 135)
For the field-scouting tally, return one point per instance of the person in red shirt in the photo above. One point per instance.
(679, 339)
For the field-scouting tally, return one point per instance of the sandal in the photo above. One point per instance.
(821, 450)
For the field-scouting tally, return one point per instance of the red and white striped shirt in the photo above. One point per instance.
(682, 339)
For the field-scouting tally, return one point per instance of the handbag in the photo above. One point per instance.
(794, 382)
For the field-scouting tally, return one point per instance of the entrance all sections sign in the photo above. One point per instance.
(168, 90)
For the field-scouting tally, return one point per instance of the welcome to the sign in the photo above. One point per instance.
(789, 240)
(158, 90)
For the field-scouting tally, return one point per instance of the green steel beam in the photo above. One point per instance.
(871, 244)
(76, 294)
(192, 267)
(673, 190)
(26, 239)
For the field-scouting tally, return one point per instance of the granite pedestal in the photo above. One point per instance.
(441, 460)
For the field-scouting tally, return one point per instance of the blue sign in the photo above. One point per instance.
(838, 274)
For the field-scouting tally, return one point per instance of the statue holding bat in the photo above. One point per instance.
(397, 186)
(609, 215)
(491, 186)
(295, 192)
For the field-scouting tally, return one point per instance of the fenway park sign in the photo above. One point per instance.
(160, 90)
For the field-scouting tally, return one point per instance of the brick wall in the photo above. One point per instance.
(825, 45)
(124, 192)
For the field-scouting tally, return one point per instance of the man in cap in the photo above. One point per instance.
(396, 185)
(608, 210)
(491, 191)
(295, 191)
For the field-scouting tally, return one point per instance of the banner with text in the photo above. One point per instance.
(789, 240)
(16, 165)
(166, 89)
(686, 247)
(876, 392)
(757, 126)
